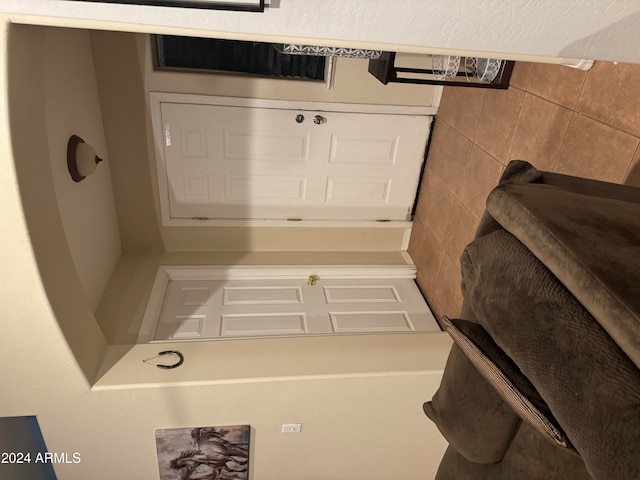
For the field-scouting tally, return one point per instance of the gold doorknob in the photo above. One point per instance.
(311, 280)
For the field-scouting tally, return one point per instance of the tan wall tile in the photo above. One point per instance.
(462, 226)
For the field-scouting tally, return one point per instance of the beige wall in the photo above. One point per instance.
(124, 115)
(358, 398)
(282, 239)
(56, 273)
(87, 208)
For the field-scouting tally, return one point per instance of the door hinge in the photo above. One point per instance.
(200, 219)
(294, 219)
(383, 220)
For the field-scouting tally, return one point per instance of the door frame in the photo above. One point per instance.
(167, 273)
(160, 135)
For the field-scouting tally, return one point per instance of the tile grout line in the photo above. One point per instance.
(526, 89)
(584, 114)
(429, 284)
(475, 130)
(445, 185)
(513, 134)
(437, 279)
(473, 144)
(613, 127)
(435, 289)
(457, 129)
(584, 80)
(453, 194)
(427, 227)
(437, 178)
(564, 137)
(635, 153)
(457, 287)
(550, 101)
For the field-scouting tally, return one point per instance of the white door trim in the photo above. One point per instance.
(437, 96)
(231, 222)
(159, 138)
(234, 272)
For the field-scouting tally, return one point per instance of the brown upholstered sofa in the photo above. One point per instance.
(543, 379)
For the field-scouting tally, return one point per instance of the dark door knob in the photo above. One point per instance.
(318, 119)
(299, 118)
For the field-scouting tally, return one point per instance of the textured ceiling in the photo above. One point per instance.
(596, 29)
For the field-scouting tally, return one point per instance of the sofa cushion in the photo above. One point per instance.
(590, 385)
(505, 376)
(470, 414)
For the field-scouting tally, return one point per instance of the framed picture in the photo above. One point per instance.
(239, 5)
(204, 453)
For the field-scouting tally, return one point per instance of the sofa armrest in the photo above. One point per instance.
(592, 188)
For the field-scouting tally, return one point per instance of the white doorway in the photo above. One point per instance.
(201, 303)
(244, 159)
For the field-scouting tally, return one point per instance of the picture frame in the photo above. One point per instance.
(234, 5)
(211, 453)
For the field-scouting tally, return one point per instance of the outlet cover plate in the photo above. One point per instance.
(291, 428)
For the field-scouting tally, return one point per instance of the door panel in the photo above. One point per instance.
(261, 163)
(359, 322)
(365, 150)
(255, 325)
(262, 295)
(361, 293)
(213, 309)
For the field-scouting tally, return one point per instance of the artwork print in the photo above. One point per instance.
(203, 453)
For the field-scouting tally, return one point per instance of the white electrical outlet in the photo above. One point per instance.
(291, 428)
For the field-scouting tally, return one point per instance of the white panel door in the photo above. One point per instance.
(214, 309)
(232, 162)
